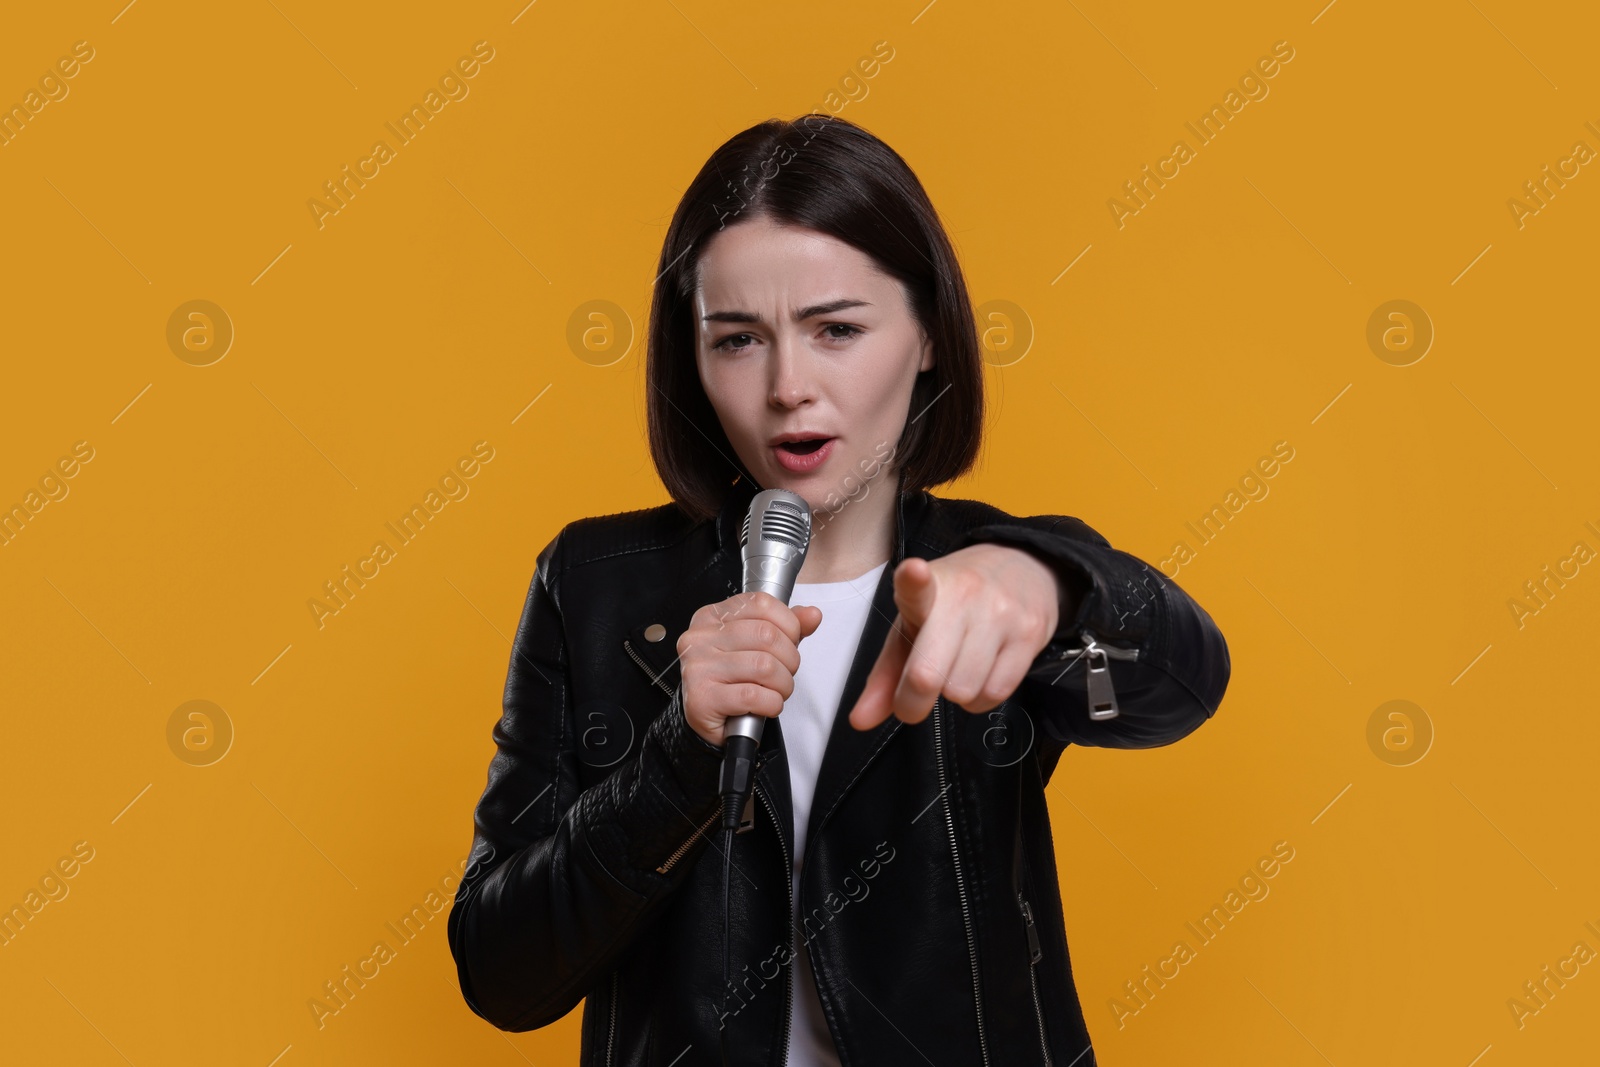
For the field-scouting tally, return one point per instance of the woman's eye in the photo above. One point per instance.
(724, 343)
(738, 342)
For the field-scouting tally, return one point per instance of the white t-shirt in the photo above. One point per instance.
(807, 717)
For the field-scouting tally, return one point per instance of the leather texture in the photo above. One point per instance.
(590, 877)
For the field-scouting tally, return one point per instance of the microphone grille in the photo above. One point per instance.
(782, 521)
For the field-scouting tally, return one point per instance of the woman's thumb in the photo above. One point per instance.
(810, 618)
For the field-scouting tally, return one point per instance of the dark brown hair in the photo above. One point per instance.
(826, 174)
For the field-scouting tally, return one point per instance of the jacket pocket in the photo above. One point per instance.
(1031, 931)
(1035, 953)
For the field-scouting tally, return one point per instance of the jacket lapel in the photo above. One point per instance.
(850, 750)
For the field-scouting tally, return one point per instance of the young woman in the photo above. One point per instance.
(893, 898)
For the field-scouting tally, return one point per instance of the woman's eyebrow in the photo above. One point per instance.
(800, 316)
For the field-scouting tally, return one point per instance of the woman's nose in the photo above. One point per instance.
(792, 380)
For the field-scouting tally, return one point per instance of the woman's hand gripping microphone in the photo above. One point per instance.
(739, 657)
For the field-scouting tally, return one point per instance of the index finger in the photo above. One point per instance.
(877, 695)
(762, 605)
(927, 668)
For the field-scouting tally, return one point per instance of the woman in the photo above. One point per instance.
(893, 895)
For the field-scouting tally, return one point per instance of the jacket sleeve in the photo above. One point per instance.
(1181, 668)
(561, 881)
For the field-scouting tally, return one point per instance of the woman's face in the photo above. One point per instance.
(800, 334)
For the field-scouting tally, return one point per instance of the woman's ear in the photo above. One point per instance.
(927, 355)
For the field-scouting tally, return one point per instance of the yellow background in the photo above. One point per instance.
(430, 312)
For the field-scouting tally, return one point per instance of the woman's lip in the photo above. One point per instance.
(810, 461)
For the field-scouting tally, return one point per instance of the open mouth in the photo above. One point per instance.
(806, 455)
(804, 448)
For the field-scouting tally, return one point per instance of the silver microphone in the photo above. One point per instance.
(773, 542)
(772, 558)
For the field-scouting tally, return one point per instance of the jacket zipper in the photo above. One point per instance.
(665, 688)
(961, 888)
(678, 855)
(1102, 695)
(788, 896)
(1035, 953)
(611, 1027)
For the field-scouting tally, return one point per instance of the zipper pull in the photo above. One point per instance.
(1102, 695)
(747, 819)
(1034, 951)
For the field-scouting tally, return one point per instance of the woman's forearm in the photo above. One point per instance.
(534, 931)
(562, 881)
(1166, 661)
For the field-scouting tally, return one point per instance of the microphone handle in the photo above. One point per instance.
(750, 725)
(741, 734)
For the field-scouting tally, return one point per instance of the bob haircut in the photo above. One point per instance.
(826, 174)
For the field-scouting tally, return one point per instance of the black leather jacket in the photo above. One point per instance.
(928, 900)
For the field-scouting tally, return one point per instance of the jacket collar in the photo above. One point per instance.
(849, 750)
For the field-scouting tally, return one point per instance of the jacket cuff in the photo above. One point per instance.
(1180, 669)
(696, 762)
(1116, 596)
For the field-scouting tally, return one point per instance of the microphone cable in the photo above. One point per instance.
(727, 870)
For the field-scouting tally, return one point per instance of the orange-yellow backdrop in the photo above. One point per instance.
(1144, 357)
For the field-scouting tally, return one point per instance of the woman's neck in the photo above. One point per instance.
(855, 538)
